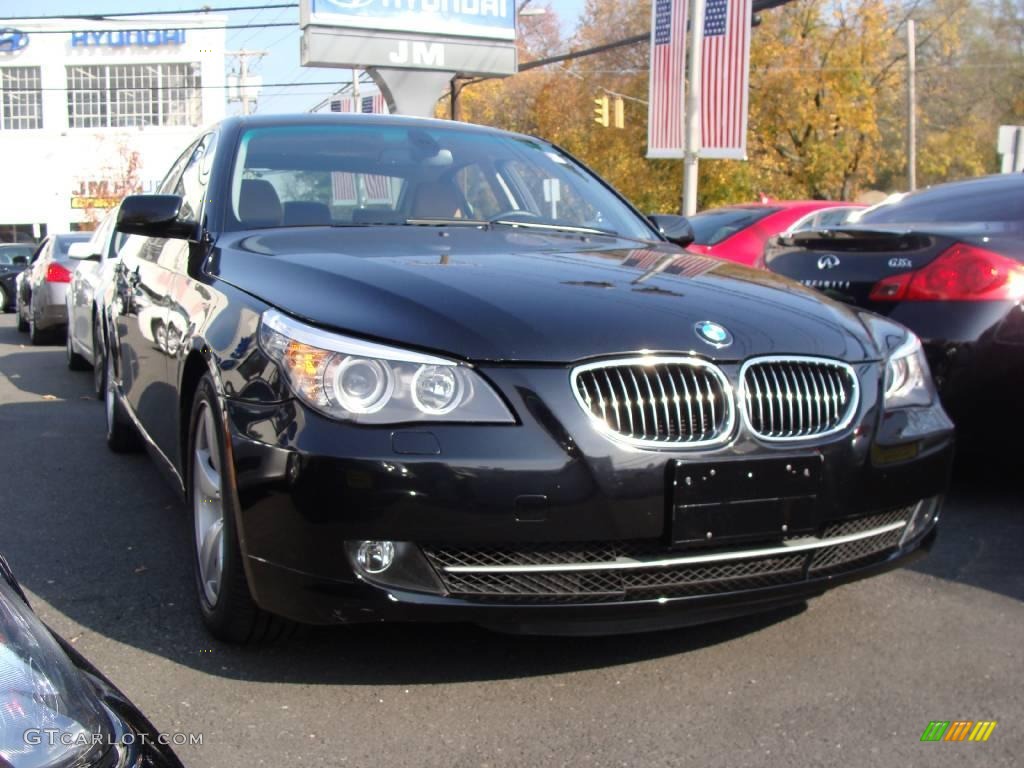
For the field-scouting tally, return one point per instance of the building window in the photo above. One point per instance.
(134, 95)
(22, 98)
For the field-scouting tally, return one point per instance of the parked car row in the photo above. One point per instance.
(531, 406)
(948, 263)
(460, 378)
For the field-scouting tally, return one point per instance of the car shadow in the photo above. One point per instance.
(104, 541)
(981, 535)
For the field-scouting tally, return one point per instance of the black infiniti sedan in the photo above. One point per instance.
(406, 369)
(947, 262)
(56, 709)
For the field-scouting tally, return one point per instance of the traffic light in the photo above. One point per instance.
(620, 112)
(601, 111)
(835, 125)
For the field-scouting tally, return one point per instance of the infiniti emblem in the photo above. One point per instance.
(828, 261)
(713, 334)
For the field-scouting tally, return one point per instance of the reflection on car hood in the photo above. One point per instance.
(508, 294)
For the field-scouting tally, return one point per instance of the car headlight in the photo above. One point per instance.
(50, 717)
(907, 378)
(356, 380)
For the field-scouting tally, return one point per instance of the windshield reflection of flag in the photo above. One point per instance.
(657, 262)
(345, 188)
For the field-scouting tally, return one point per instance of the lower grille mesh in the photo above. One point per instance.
(601, 585)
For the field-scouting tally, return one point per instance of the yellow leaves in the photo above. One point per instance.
(827, 101)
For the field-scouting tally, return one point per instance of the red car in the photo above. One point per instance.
(740, 232)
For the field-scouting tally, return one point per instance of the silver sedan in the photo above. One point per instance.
(42, 310)
(96, 260)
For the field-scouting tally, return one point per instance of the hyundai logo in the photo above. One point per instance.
(12, 40)
(828, 261)
(713, 334)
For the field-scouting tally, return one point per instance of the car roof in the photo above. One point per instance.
(354, 118)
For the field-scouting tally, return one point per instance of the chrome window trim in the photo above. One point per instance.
(805, 544)
(603, 428)
(852, 409)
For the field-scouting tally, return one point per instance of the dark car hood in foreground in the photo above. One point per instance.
(509, 294)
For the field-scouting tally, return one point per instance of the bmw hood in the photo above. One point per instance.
(515, 295)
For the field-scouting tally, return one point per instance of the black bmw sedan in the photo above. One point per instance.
(405, 369)
(947, 262)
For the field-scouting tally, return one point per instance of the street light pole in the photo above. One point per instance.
(693, 106)
(911, 106)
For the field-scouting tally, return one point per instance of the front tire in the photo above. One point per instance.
(121, 434)
(74, 360)
(99, 360)
(35, 335)
(5, 301)
(225, 601)
(22, 322)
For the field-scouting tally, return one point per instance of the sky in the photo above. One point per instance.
(281, 65)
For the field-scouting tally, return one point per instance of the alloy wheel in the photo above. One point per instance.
(208, 504)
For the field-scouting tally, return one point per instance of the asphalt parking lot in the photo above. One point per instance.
(102, 547)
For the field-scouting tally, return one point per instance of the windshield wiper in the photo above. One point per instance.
(432, 221)
(556, 227)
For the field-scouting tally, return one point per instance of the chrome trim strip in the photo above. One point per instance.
(347, 345)
(627, 563)
(728, 400)
(837, 366)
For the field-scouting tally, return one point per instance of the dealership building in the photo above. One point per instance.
(92, 110)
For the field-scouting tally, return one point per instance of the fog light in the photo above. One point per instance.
(375, 556)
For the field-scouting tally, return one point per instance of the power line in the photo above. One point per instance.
(105, 16)
(200, 86)
(196, 27)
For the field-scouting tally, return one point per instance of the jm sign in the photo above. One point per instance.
(485, 19)
(465, 37)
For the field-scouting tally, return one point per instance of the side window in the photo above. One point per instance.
(99, 237)
(170, 181)
(191, 184)
(42, 250)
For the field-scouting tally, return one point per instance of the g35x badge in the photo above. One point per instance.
(713, 334)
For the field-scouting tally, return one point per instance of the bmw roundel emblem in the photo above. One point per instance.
(713, 334)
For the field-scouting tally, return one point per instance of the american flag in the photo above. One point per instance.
(375, 105)
(665, 99)
(724, 78)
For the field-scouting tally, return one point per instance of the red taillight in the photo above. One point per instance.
(961, 273)
(58, 273)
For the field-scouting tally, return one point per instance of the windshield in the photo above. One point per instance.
(712, 227)
(8, 253)
(359, 175)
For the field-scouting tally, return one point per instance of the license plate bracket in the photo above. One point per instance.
(742, 500)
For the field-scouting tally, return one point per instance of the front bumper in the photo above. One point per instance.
(309, 487)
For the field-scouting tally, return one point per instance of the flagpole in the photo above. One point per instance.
(692, 116)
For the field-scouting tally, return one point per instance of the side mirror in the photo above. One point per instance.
(82, 252)
(675, 229)
(19, 261)
(154, 216)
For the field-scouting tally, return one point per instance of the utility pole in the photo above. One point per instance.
(356, 101)
(243, 57)
(911, 107)
(693, 106)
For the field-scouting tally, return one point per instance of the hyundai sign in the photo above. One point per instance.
(483, 19)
